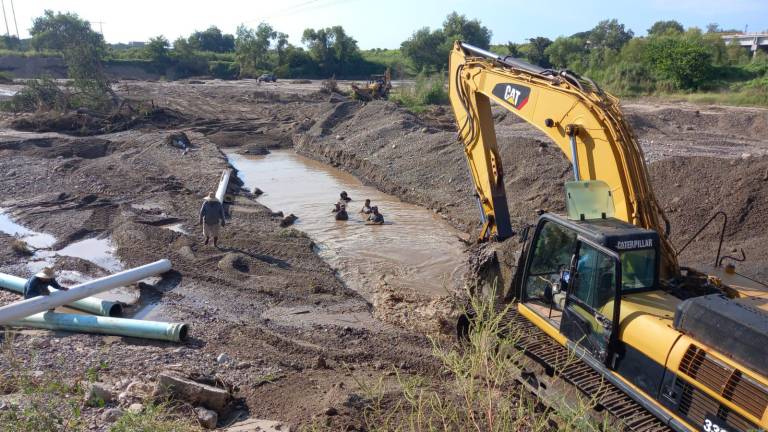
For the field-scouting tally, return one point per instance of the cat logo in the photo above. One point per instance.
(513, 94)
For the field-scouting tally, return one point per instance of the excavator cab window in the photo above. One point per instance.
(547, 273)
(638, 269)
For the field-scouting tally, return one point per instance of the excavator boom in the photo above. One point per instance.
(571, 111)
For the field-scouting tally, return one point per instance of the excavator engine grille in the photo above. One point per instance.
(695, 405)
(725, 380)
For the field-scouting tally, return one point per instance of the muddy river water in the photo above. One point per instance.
(414, 250)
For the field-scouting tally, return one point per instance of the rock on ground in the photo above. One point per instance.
(111, 415)
(257, 425)
(97, 393)
(206, 417)
(179, 387)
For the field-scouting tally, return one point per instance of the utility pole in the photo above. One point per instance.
(7, 32)
(101, 29)
(13, 10)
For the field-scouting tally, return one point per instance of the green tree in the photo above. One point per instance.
(335, 51)
(609, 34)
(212, 39)
(83, 50)
(186, 61)
(424, 49)
(156, 50)
(10, 43)
(458, 27)
(663, 27)
(513, 49)
(281, 45)
(428, 50)
(685, 63)
(566, 52)
(252, 48)
(537, 51)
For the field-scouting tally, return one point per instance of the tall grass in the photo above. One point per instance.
(426, 90)
(481, 391)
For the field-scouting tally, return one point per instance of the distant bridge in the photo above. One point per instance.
(753, 41)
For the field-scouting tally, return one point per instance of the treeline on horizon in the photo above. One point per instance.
(669, 59)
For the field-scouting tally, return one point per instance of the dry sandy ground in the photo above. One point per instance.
(702, 159)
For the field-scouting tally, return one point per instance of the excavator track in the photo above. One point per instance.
(552, 356)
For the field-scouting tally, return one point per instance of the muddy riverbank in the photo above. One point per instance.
(301, 339)
(235, 299)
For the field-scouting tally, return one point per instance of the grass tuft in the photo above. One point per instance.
(155, 418)
(481, 391)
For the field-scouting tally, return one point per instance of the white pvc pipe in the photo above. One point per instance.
(25, 308)
(221, 191)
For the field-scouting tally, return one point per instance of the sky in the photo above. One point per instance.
(385, 23)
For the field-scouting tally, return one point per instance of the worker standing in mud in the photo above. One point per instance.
(211, 216)
(38, 284)
(375, 218)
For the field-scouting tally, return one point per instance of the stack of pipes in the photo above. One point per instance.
(34, 312)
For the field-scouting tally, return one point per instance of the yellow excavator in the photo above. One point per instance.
(660, 346)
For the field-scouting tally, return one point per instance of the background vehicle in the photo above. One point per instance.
(664, 345)
(378, 87)
(267, 77)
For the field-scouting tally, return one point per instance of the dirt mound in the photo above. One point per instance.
(57, 147)
(749, 123)
(86, 122)
(692, 190)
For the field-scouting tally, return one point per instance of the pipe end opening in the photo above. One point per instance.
(116, 310)
(183, 332)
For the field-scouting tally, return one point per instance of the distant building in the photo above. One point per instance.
(753, 41)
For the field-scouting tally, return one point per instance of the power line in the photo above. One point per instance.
(7, 32)
(13, 10)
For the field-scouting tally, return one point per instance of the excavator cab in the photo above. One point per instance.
(576, 272)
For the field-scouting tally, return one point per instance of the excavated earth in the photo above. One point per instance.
(129, 185)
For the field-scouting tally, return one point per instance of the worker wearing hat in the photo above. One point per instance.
(211, 215)
(38, 284)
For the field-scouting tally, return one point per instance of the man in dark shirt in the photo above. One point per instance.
(375, 218)
(38, 284)
(211, 215)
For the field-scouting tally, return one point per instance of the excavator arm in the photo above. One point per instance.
(581, 119)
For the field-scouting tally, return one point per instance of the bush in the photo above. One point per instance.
(684, 62)
(38, 95)
(224, 69)
(427, 90)
(329, 86)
